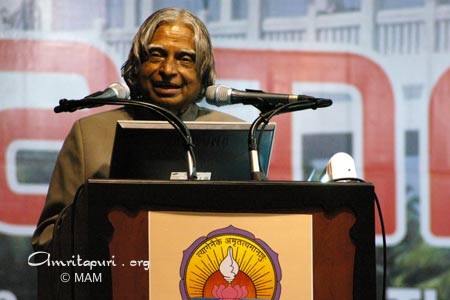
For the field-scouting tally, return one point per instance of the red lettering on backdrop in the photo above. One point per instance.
(39, 56)
(277, 70)
(439, 158)
(28, 124)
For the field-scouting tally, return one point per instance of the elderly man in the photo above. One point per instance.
(170, 64)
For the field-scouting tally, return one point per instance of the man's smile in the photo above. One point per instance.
(167, 89)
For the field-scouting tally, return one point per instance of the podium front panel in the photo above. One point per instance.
(210, 218)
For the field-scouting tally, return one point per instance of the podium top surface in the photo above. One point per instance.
(229, 182)
(232, 196)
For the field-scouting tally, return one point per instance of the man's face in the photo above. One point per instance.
(169, 76)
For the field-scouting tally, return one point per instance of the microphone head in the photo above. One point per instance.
(121, 90)
(218, 95)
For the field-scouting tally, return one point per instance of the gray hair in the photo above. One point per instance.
(204, 57)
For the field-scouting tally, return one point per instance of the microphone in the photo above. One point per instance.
(220, 95)
(119, 94)
(115, 90)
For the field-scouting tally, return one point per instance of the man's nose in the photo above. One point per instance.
(168, 67)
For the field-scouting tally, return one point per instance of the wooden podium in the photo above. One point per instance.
(110, 217)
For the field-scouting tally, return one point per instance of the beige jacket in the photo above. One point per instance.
(86, 153)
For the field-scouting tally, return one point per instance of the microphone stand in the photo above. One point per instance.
(267, 112)
(66, 105)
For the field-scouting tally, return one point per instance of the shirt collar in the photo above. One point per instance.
(140, 113)
(190, 114)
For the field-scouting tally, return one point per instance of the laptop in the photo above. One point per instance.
(154, 150)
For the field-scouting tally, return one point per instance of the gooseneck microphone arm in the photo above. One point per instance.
(257, 172)
(66, 105)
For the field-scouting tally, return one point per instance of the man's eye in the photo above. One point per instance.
(187, 61)
(186, 58)
(155, 54)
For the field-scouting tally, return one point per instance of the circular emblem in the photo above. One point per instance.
(230, 263)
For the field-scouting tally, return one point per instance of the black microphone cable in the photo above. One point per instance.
(383, 234)
(73, 105)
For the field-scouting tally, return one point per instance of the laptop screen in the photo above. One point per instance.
(154, 150)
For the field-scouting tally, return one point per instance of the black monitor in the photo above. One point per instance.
(154, 150)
